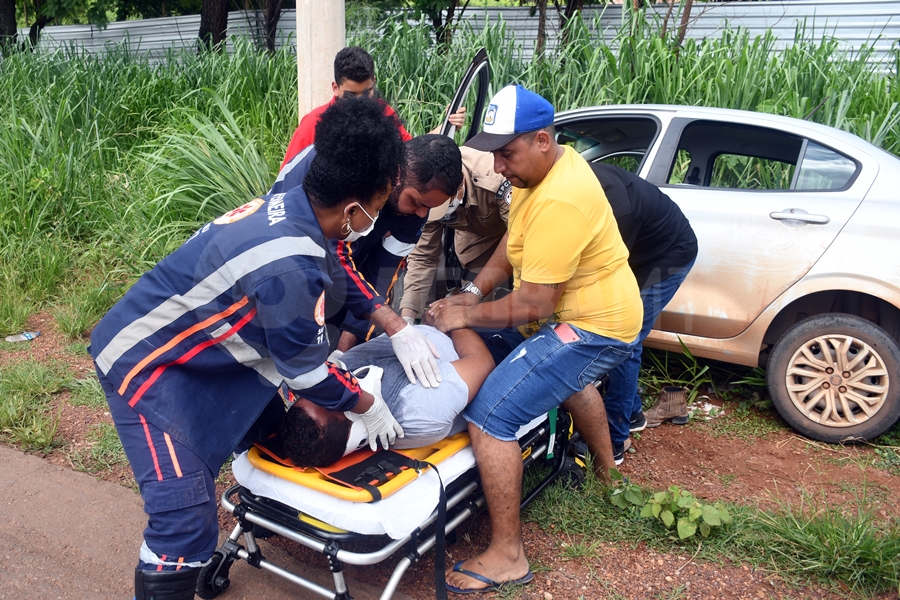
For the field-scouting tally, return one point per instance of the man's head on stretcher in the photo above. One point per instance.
(314, 437)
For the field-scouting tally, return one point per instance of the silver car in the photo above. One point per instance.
(799, 262)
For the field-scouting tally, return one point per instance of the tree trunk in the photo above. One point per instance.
(568, 11)
(446, 34)
(685, 18)
(35, 31)
(7, 26)
(273, 14)
(665, 24)
(542, 28)
(213, 24)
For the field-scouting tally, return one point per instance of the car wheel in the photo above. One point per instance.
(836, 378)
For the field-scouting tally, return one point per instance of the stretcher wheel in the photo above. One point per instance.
(573, 474)
(213, 579)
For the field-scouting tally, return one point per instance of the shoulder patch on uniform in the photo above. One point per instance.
(240, 212)
(505, 192)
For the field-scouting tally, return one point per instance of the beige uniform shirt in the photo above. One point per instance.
(479, 224)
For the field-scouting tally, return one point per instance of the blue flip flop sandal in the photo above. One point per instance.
(492, 586)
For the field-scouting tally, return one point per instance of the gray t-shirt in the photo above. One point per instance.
(426, 415)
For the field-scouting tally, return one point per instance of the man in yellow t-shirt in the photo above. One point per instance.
(576, 305)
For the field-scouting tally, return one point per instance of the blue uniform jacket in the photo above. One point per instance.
(201, 343)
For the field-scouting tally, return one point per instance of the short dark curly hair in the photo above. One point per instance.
(359, 151)
(433, 162)
(310, 444)
(355, 64)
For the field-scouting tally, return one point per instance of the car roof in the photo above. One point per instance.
(748, 117)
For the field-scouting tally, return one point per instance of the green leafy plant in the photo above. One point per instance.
(680, 508)
(623, 492)
(673, 507)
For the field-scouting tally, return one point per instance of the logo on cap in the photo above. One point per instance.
(491, 115)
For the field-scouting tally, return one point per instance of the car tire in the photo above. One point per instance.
(836, 378)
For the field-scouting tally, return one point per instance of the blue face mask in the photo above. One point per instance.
(355, 235)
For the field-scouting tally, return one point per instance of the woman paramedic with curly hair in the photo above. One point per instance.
(194, 353)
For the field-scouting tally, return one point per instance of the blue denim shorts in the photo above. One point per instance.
(540, 374)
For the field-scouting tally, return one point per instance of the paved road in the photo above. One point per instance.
(64, 534)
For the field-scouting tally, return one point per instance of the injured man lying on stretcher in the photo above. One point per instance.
(316, 437)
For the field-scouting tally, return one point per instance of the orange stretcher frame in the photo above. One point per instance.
(311, 478)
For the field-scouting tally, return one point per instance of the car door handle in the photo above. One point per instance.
(798, 214)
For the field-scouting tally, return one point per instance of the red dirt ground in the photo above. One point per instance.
(765, 470)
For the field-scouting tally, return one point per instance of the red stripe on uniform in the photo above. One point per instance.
(178, 339)
(344, 377)
(189, 355)
(343, 252)
(159, 475)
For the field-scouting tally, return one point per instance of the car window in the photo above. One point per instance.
(620, 141)
(630, 161)
(680, 170)
(735, 171)
(824, 169)
(735, 156)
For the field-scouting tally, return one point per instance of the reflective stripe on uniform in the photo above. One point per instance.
(308, 379)
(215, 284)
(247, 355)
(290, 166)
(396, 247)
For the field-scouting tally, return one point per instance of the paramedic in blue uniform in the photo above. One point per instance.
(196, 350)
(434, 172)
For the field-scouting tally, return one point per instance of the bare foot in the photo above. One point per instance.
(490, 566)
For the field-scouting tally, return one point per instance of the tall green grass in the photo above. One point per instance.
(108, 162)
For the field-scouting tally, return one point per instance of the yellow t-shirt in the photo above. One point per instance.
(563, 230)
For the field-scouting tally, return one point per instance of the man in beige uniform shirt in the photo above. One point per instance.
(478, 215)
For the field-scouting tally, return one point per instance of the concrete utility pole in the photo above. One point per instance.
(321, 34)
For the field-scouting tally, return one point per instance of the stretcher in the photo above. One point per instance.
(418, 506)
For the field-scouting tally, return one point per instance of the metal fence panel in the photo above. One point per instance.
(852, 23)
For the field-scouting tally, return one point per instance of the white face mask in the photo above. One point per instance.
(355, 235)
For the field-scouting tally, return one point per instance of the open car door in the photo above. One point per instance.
(471, 92)
(479, 75)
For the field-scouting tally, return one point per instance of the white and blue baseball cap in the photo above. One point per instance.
(511, 112)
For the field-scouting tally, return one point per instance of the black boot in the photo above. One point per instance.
(165, 585)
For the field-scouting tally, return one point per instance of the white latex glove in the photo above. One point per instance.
(379, 422)
(335, 359)
(417, 355)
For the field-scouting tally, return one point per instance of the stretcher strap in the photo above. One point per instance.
(551, 416)
(440, 535)
(367, 470)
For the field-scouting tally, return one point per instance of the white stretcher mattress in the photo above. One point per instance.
(398, 515)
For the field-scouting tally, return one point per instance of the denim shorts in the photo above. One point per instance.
(540, 374)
